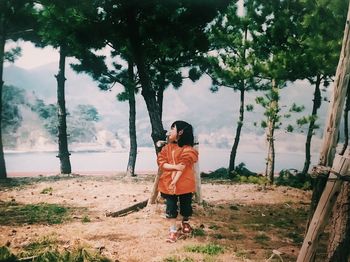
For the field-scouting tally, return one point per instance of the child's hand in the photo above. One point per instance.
(172, 186)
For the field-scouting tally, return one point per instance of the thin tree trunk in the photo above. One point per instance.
(241, 115)
(339, 239)
(346, 121)
(148, 93)
(63, 153)
(270, 163)
(132, 122)
(315, 107)
(238, 132)
(3, 173)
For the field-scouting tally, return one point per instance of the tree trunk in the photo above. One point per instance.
(238, 132)
(339, 240)
(132, 122)
(273, 111)
(160, 94)
(63, 153)
(148, 93)
(330, 134)
(241, 114)
(3, 173)
(346, 121)
(315, 107)
(270, 163)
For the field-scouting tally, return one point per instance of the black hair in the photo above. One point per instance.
(186, 138)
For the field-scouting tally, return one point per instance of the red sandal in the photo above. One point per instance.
(186, 228)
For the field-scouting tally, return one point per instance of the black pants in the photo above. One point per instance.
(172, 208)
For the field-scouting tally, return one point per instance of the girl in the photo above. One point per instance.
(177, 182)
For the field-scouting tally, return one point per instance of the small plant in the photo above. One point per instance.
(210, 249)
(297, 239)
(214, 227)
(6, 255)
(261, 238)
(85, 219)
(241, 253)
(198, 232)
(175, 259)
(47, 190)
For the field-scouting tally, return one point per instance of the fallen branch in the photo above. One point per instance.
(126, 211)
(27, 258)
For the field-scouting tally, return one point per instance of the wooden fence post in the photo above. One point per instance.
(324, 208)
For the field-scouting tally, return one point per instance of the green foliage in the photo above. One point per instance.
(290, 128)
(88, 113)
(32, 213)
(46, 249)
(85, 219)
(261, 238)
(219, 173)
(12, 54)
(175, 259)
(46, 190)
(198, 232)
(6, 255)
(249, 108)
(13, 99)
(296, 108)
(210, 249)
(48, 115)
(294, 179)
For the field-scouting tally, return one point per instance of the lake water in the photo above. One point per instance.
(87, 162)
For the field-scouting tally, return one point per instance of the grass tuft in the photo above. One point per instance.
(47, 190)
(14, 213)
(210, 249)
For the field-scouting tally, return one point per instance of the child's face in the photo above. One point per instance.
(172, 134)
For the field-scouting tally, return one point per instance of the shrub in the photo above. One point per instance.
(291, 178)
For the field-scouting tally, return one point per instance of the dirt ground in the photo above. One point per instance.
(241, 218)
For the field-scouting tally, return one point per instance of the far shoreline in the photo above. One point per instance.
(14, 174)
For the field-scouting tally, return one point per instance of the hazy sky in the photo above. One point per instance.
(31, 56)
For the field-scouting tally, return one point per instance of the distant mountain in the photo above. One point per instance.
(213, 115)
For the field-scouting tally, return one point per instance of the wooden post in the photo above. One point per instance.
(154, 194)
(340, 85)
(324, 208)
(341, 164)
(198, 195)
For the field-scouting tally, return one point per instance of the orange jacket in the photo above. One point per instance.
(173, 154)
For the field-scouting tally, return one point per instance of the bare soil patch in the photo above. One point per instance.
(248, 221)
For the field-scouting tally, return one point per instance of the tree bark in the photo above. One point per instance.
(3, 173)
(339, 239)
(315, 107)
(132, 122)
(238, 132)
(148, 93)
(63, 153)
(270, 162)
